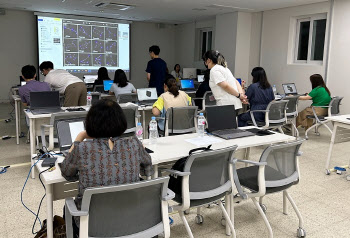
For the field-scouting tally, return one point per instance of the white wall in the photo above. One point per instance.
(255, 41)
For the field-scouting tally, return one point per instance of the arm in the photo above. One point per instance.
(225, 86)
(148, 77)
(155, 111)
(69, 166)
(307, 97)
(158, 106)
(146, 168)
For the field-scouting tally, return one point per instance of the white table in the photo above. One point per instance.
(338, 121)
(167, 149)
(17, 100)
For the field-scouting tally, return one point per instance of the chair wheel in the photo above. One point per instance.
(199, 219)
(348, 177)
(328, 172)
(209, 205)
(318, 134)
(306, 137)
(301, 233)
(263, 207)
(187, 212)
(223, 221)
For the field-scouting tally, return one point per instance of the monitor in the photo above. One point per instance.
(200, 78)
(90, 78)
(289, 88)
(189, 73)
(239, 80)
(107, 84)
(144, 94)
(221, 117)
(187, 84)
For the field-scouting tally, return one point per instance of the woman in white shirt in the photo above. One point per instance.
(226, 89)
(176, 72)
(121, 84)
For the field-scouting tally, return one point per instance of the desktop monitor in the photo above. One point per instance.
(90, 78)
(189, 73)
(144, 94)
(187, 84)
(200, 78)
(107, 84)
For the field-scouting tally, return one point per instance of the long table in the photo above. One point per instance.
(166, 149)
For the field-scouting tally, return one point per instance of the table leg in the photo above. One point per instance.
(49, 210)
(144, 123)
(17, 122)
(155, 175)
(19, 117)
(331, 146)
(228, 209)
(32, 142)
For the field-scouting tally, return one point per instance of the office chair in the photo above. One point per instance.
(137, 210)
(292, 112)
(132, 118)
(96, 96)
(333, 109)
(277, 171)
(206, 178)
(127, 97)
(99, 88)
(208, 99)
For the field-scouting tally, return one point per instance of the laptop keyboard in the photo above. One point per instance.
(229, 132)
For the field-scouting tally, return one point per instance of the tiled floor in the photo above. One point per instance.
(322, 200)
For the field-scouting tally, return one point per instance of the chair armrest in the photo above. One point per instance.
(175, 172)
(170, 195)
(73, 210)
(46, 126)
(259, 111)
(249, 162)
(197, 98)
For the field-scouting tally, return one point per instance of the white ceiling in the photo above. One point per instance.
(162, 11)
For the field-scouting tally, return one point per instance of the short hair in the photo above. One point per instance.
(28, 71)
(155, 49)
(46, 65)
(105, 119)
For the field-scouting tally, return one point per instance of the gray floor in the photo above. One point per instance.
(322, 200)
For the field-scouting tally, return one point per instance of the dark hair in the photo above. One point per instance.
(102, 74)
(155, 49)
(175, 66)
(120, 78)
(170, 82)
(28, 71)
(105, 119)
(46, 65)
(207, 75)
(259, 76)
(216, 57)
(317, 81)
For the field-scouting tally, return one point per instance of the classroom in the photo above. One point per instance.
(166, 118)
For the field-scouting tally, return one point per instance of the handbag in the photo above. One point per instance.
(59, 228)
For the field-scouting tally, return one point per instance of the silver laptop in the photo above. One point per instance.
(46, 102)
(289, 88)
(147, 96)
(67, 131)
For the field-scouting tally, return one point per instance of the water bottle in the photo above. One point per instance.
(139, 131)
(153, 131)
(88, 99)
(201, 125)
(274, 90)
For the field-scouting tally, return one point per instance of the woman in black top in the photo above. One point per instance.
(203, 88)
(102, 74)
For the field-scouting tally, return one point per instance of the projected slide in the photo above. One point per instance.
(83, 45)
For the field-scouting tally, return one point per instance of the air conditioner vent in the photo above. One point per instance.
(114, 6)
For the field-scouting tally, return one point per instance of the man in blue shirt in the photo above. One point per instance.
(156, 70)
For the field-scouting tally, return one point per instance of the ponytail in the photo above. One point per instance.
(172, 86)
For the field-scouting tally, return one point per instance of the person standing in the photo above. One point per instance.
(73, 88)
(156, 70)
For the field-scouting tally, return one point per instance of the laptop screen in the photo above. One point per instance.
(289, 88)
(187, 84)
(107, 84)
(23, 83)
(47, 99)
(144, 94)
(221, 117)
(200, 78)
(68, 130)
(90, 78)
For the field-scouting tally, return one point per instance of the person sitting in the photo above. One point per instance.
(106, 158)
(172, 97)
(121, 84)
(176, 73)
(102, 74)
(259, 95)
(32, 85)
(202, 89)
(320, 96)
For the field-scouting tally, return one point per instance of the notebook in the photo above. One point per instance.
(147, 96)
(46, 102)
(187, 85)
(289, 88)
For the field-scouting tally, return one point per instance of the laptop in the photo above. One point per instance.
(23, 83)
(67, 131)
(289, 88)
(187, 85)
(46, 102)
(200, 78)
(222, 122)
(147, 96)
(107, 84)
(90, 78)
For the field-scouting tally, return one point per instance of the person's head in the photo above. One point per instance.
(177, 68)
(259, 76)
(105, 119)
(317, 81)
(154, 51)
(170, 85)
(28, 72)
(120, 78)
(102, 73)
(45, 67)
(213, 57)
(207, 75)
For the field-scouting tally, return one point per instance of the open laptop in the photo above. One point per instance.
(187, 85)
(147, 96)
(200, 78)
(289, 88)
(46, 102)
(90, 78)
(67, 131)
(107, 84)
(222, 122)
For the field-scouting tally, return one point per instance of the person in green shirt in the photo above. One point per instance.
(320, 96)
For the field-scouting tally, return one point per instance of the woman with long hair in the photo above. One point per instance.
(121, 84)
(176, 73)
(259, 95)
(320, 96)
(102, 74)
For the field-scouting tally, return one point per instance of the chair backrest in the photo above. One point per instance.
(61, 116)
(99, 88)
(180, 120)
(127, 97)
(282, 164)
(209, 99)
(210, 173)
(96, 96)
(334, 106)
(276, 112)
(292, 106)
(132, 117)
(128, 209)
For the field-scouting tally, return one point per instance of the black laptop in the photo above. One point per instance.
(67, 131)
(46, 102)
(222, 122)
(187, 85)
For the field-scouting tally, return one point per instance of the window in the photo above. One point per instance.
(206, 39)
(310, 40)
